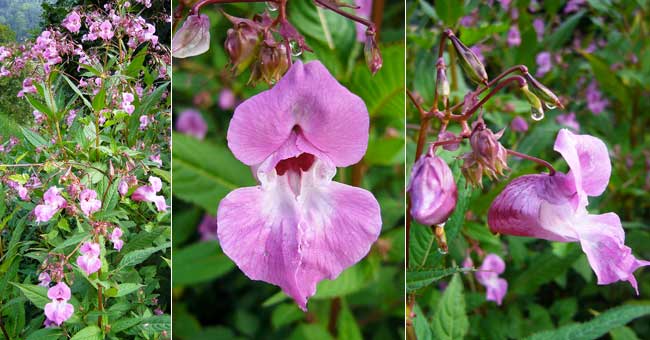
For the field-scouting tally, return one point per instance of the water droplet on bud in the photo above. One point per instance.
(549, 106)
(296, 50)
(272, 6)
(536, 114)
(442, 251)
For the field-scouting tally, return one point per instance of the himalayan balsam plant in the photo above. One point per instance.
(297, 226)
(85, 221)
(550, 206)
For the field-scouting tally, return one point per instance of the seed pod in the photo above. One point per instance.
(273, 63)
(442, 86)
(535, 102)
(371, 52)
(547, 96)
(469, 61)
(242, 43)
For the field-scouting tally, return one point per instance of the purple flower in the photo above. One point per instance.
(433, 191)
(555, 208)
(193, 38)
(156, 159)
(72, 22)
(514, 38)
(519, 124)
(505, 4)
(123, 187)
(44, 279)
(226, 99)
(573, 6)
(106, 30)
(53, 202)
(364, 10)
(89, 260)
(147, 193)
(88, 202)
(71, 116)
(544, 63)
(568, 120)
(59, 310)
(208, 228)
(115, 237)
(538, 26)
(298, 226)
(190, 122)
(488, 276)
(595, 101)
(127, 99)
(144, 122)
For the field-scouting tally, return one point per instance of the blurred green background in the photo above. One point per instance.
(212, 298)
(599, 60)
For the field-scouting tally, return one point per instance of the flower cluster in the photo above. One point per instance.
(147, 193)
(53, 202)
(89, 260)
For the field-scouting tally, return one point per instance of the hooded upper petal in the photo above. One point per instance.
(433, 191)
(588, 159)
(519, 209)
(306, 111)
(298, 230)
(60, 291)
(58, 311)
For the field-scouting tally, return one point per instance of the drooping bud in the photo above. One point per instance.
(193, 38)
(442, 85)
(372, 53)
(488, 151)
(242, 43)
(469, 61)
(536, 108)
(547, 96)
(274, 62)
(433, 191)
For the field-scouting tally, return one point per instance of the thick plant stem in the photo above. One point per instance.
(539, 161)
(100, 301)
(335, 309)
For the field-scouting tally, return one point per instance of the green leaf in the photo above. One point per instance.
(418, 279)
(138, 256)
(199, 262)
(36, 294)
(449, 11)
(127, 288)
(38, 106)
(34, 138)
(99, 101)
(421, 325)
(285, 314)
(347, 326)
(385, 151)
(351, 280)
(450, 320)
(45, 334)
(157, 323)
(78, 92)
(143, 108)
(89, 333)
(312, 331)
(204, 173)
(597, 326)
(383, 93)
(544, 268)
(563, 33)
(607, 80)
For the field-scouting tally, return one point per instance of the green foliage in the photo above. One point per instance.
(450, 319)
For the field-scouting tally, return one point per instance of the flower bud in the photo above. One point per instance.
(547, 96)
(242, 43)
(487, 150)
(372, 53)
(442, 85)
(536, 109)
(433, 191)
(469, 61)
(274, 62)
(193, 38)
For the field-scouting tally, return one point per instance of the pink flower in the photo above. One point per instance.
(72, 22)
(208, 228)
(364, 10)
(156, 159)
(544, 63)
(44, 279)
(88, 202)
(488, 276)
(519, 124)
(53, 202)
(123, 187)
(127, 99)
(555, 208)
(595, 101)
(514, 38)
(106, 30)
(538, 26)
(59, 310)
(28, 87)
(433, 191)
(190, 122)
(226, 99)
(70, 118)
(89, 260)
(298, 227)
(147, 193)
(568, 120)
(144, 122)
(193, 38)
(115, 237)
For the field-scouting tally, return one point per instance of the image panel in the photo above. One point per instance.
(528, 172)
(85, 183)
(288, 170)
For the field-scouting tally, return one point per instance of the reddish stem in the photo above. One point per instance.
(519, 79)
(334, 8)
(539, 161)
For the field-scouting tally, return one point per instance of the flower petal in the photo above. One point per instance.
(603, 240)
(496, 290)
(309, 103)
(531, 205)
(193, 38)
(588, 159)
(297, 241)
